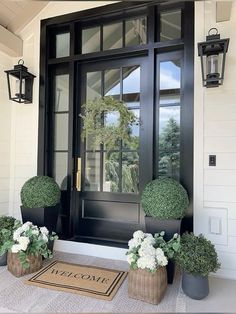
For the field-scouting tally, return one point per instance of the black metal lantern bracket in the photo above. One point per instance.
(24, 91)
(210, 51)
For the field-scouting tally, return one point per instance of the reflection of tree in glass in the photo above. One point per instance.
(130, 172)
(130, 177)
(112, 170)
(169, 144)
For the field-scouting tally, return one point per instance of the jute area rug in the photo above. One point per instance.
(18, 297)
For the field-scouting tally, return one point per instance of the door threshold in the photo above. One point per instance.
(101, 241)
(91, 249)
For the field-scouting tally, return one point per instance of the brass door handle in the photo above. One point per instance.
(78, 175)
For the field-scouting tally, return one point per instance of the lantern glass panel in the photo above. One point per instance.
(212, 66)
(16, 93)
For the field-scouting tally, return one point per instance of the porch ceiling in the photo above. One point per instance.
(14, 15)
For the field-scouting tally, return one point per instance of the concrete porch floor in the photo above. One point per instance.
(15, 296)
(222, 298)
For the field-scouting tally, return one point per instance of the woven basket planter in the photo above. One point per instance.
(146, 286)
(14, 266)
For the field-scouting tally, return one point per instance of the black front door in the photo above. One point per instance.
(107, 205)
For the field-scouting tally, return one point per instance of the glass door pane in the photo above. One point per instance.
(116, 170)
(169, 119)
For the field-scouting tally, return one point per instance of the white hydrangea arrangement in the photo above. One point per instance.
(29, 239)
(150, 252)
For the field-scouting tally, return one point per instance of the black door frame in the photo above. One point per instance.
(72, 22)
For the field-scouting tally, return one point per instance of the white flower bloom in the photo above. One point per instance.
(131, 258)
(17, 234)
(23, 242)
(44, 230)
(175, 236)
(44, 237)
(26, 226)
(16, 248)
(147, 250)
(35, 231)
(159, 252)
(146, 262)
(162, 261)
(149, 240)
(139, 235)
(133, 243)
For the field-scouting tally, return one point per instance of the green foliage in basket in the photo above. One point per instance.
(40, 191)
(7, 226)
(96, 128)
(164, 199)
(29, 239)
(197, 255)
(151, 252)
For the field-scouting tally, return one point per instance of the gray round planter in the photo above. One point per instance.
(3, 260)
(195, 287)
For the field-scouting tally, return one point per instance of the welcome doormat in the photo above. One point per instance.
(97, 282)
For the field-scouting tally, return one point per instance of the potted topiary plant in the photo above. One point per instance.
(7, 227)
(197, 258)
(164, 202)
(40, 197)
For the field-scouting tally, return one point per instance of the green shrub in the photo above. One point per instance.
(197, 255)
(164, 199)
(6, 223)
(40, 191)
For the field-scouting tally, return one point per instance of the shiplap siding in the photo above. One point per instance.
(5, 135)
(218, 114)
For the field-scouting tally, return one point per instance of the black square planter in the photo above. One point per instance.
(170, 226)
(42, 216)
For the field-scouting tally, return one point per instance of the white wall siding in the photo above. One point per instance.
(218, 201)
(5, 135)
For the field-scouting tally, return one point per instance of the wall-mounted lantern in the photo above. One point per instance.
(20, 83)
(213, 53)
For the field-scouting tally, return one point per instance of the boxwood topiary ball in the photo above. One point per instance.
(40, 191)
(164, 199)
(197, 255)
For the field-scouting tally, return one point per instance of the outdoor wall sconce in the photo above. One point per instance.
(20, 83)
(213, 53)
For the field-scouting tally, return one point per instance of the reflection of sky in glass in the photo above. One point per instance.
(111, 119)
(135, 128)
(114, 90)
(131, 84)
(112, 82)
(166, 113)
(169, 75)
(133, 104)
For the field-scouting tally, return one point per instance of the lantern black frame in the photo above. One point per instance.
(213, 46)
(21, 73)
